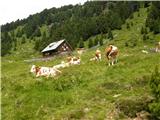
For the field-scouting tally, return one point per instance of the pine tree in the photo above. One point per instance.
(95, 41)
(81, 43)
(110, 36)
(90, 43)
(23, 40)
(128, 26)
(37, 33)
(155, 89)
(142, 30)
(144, 37)
(101, 42)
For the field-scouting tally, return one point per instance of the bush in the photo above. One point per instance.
(155, 89)
(110, 35)
(144, 37)
(96, 41)
(101, 42)
(81, 43)
(130, 107)
(90, 43)
(126, 44)
(128, 26)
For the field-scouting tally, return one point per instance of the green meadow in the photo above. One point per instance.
(89, 91)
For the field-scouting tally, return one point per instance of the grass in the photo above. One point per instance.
(84, 91)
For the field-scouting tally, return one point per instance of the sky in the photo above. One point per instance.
(11, 10)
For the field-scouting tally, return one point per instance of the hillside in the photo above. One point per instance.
(73, 23)
(92, 90)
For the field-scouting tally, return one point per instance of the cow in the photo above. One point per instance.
(97, 56)
(62, 65)
(73, 60)
(111, 53)
(80, 51)
(44, 71)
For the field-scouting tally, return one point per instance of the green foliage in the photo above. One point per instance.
(127, 25)
(130, 107)
(153, 19)
(74, 22)
(144, 37)
(19, 33)
(6, 43)
(37, 33)
(81, 43)
(96, 41)
(90, 43)
(101, 42)
(155, 88)
(23, 40)
(110, 36)
(142, 30)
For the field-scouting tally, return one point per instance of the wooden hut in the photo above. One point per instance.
(58, 47)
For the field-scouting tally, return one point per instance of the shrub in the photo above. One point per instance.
(130, 107)
(126, 44)
(101, 42)
(128, 26)
(90, 43)
(96, 41)
(110, 35)
(81, 43)
(144, 37)
(155, 89)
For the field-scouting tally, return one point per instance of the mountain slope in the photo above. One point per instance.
(91, 90)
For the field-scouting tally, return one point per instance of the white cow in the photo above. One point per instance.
(44, 71)
(75, 61)
(62, 65)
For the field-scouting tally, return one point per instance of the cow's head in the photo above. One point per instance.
(33, 69)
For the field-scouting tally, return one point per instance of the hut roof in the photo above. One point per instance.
(53, 46)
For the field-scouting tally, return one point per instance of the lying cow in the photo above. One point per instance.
(44, 71)
(97, 56)
(73, 60)
(111, 53)
(62, 65)
(80, 51)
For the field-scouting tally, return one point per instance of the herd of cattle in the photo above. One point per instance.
(111, 53)
(53, 71)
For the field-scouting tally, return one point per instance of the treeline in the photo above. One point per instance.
(74, 23)
(153, 19)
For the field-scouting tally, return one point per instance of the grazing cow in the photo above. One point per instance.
(44, 71)
(111, 53)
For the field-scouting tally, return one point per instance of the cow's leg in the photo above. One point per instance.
(109, 62)
(112, 62)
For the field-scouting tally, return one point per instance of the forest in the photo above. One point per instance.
(75, 23)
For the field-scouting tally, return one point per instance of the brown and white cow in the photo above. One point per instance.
(44, 71)
(80, 51)
(97, 56)
(111, 53)
(73, 60)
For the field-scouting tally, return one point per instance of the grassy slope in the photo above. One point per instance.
(85, 91)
